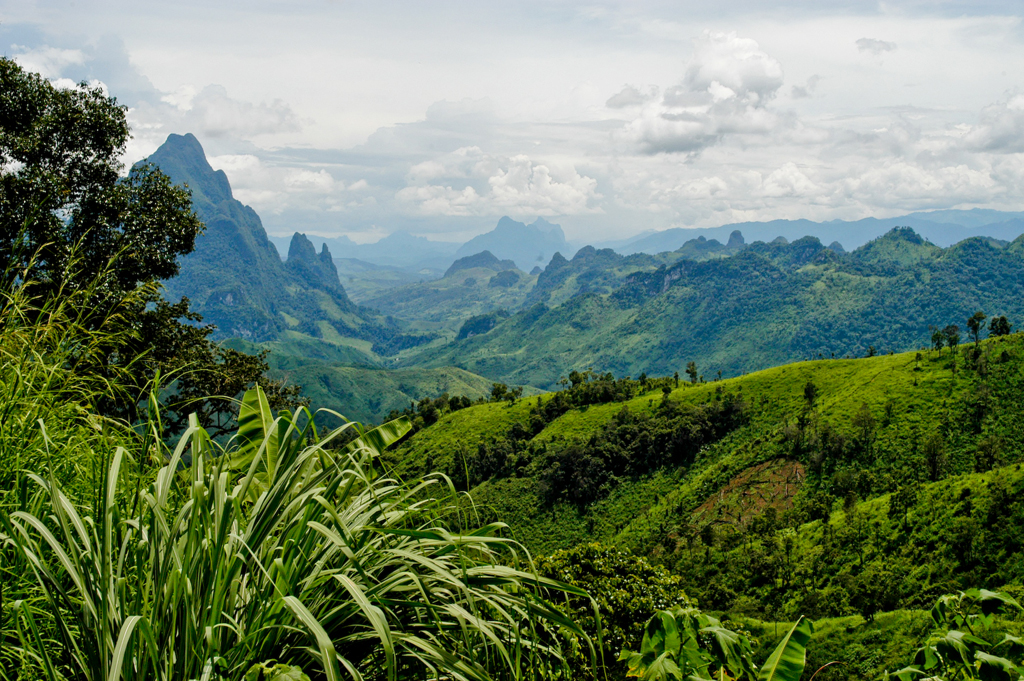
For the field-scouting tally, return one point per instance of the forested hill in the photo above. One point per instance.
(237, 281)
(769, 304)
(821, 488)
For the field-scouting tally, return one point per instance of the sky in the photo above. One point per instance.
(611, 119)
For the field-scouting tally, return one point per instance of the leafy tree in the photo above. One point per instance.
(975, 324)
(691, 371)
(628, 591)
(66, 213)
(864, 426)
(989, 454)
(938, 338)
(499, 392)
(934, 450)
(70, 221)
(810, 393)
(952, 335)
(902, 501)
(999, 326)
(874, 590)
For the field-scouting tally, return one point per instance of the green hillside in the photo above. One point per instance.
(332, 378)
(442, 305)
(767, 305)
(740, 485)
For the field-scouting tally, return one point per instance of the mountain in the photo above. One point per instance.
(401, 250)
(769, 304)
(527, 245)
(943, 228)
(484, 259)
(474, 285)
(237, 281)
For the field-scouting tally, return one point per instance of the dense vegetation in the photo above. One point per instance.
(767, 305)
(833, 488)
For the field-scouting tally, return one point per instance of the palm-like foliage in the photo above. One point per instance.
(685, 643)
(278, 547)
(964, 645)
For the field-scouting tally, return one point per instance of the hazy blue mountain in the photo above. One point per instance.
(526, 245)
(943, 228)
(364, 280)
(399, 249)
(483, 259)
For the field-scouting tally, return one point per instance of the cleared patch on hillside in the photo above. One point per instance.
(769, 484)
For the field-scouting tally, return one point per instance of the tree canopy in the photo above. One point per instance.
(72, 220)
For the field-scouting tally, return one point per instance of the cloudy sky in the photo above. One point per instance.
(363, 118)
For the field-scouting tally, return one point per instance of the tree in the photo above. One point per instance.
(864, 427)
(628, 591)
(952, 336)
(934, 450)
(70, 222)
(902, 501)
(65, 211)
(938, 338)
(499, 392)
(975, 324)
(810, 393)
(691, 371)
(999, 326)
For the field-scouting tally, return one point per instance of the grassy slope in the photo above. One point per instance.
(923, 395)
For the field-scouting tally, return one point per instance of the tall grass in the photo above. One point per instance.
(278, 547)
(54, 365)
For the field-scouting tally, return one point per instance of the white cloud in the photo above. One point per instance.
(726, 88)
(788, 180)
(1002, 127)
(493, 186)
(804, 91)
(875, 47)
(276, 188)
(47, 61)
(213, 113)
(631, 95)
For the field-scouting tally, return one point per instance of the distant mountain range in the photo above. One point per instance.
(942, 228)
(762, 305)
(400, 249)
(528, 246)
(532, 246)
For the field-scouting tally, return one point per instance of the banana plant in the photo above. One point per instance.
(960, 646)
(687, 643)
